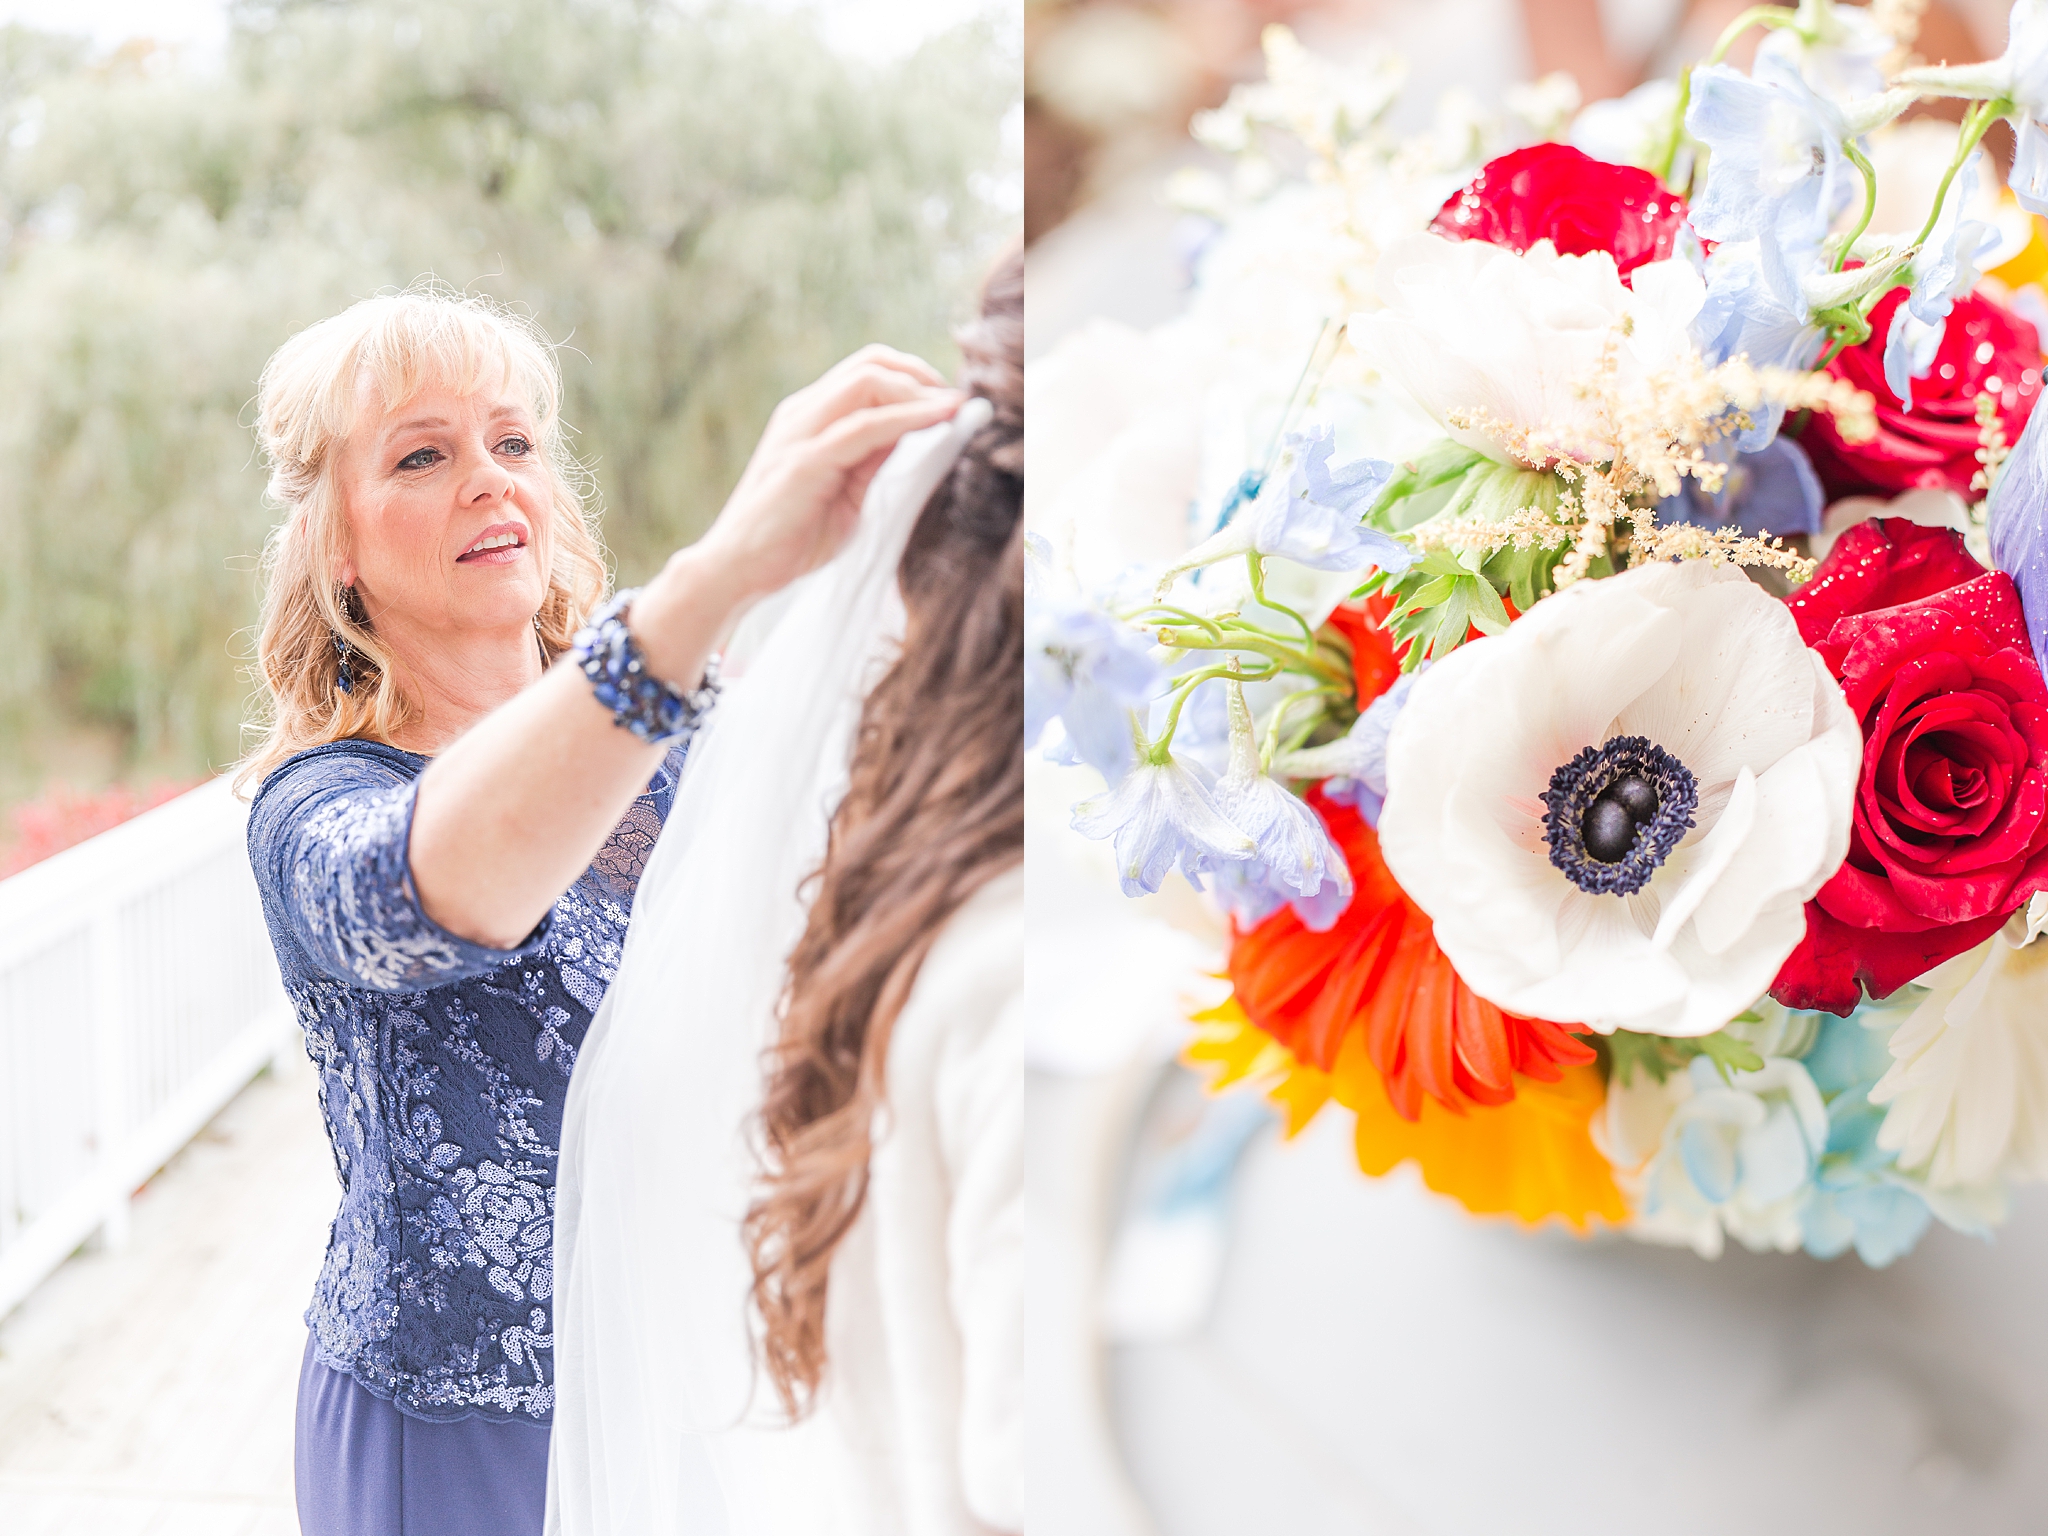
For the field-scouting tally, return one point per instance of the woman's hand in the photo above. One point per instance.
(516, 808)
(801, 493)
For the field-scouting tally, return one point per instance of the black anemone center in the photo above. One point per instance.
(1615, 812)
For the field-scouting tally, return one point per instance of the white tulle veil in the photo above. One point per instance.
(652, 1333)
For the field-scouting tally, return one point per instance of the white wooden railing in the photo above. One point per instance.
(138, 994)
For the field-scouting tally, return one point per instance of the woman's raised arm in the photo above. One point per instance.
(514, 809)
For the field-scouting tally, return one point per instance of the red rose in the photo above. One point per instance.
(1987, 349)
(1950, 831)
(1579, 204)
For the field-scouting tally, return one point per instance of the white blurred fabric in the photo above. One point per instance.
(660, 1410)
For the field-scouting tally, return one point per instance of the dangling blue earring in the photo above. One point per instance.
(342, 680)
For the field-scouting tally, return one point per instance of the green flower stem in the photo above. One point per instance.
(1677, 133)
(1862, 163)
(1280, 713)
(1179, 615)
(1257, 564)
(1755, 16)
(1289, 658)
(1975, 126)
(1155, 752)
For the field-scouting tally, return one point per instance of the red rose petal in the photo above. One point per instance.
(1934, 445)
(1835, 963)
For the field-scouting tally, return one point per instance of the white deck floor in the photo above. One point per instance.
(149, 1392)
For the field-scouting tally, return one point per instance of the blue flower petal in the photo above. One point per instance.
(2018, 515)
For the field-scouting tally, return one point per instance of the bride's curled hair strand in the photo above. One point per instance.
(934, 808)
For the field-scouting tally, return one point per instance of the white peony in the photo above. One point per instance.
(1968, 1088)
(1468, 325)
(1686, 677)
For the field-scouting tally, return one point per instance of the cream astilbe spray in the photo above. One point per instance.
(1660, 427)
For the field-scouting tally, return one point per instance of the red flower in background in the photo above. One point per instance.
(1579, 204)
(1986, 349)
(1951, 822)
(63, 818)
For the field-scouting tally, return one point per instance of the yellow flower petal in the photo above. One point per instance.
(1532, 1158)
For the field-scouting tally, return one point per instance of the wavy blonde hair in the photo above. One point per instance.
(310, 396)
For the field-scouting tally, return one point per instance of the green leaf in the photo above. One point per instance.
(1728, 1054)
(1428, 471)
(1661, 1055)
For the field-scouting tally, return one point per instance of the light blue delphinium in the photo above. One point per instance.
(1162, 815)
(1295, 859)
(1312, 514)
(1354, 767)
(1771, 492)
(1837, 49)
(1858, 1198)
(1319, 520)
(1081, 667)
(1746, 314)
(2025, 64)
(1777, 172)
(2018, 517)
(2018, 80)
(1948, 270)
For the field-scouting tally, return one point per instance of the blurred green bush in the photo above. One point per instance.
(707, 205)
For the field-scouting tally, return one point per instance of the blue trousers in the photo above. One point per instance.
(363, 1468)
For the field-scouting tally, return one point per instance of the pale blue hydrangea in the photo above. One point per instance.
(1735, 1155)
(1858, 1198)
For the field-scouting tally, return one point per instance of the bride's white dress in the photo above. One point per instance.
(662, 1422)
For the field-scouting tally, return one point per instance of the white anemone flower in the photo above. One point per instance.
(1616, 811)
(1470, 325)
(1968, 1087)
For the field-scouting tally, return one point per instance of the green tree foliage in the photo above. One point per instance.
(707, 205)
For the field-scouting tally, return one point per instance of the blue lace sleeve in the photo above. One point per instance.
(328, 836)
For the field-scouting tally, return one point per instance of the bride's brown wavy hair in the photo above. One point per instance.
(934, 809)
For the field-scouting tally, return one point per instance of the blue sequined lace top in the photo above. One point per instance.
(444, 1067)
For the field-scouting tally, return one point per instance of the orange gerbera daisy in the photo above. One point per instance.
(1530, 1158)
(1374, 662)
(1378, 973)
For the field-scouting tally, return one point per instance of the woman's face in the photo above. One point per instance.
(448, 501)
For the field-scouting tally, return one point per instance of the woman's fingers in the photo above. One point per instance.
(872, 376)
(875, 429)
(888, 357)
(839, 395)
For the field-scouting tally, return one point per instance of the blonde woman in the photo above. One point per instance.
(448, 828)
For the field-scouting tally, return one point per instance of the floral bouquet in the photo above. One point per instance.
(1598, 665)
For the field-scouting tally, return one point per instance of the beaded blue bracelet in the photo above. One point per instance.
(639, 701)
